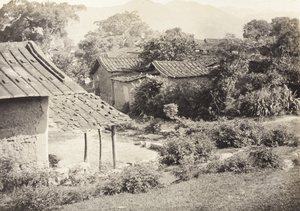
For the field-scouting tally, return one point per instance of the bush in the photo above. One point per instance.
(245, 162)
(35, 198)
(237, 164)
(192, 99)
(13, 175)
(264, 158)
(186, 170)
(268, 102)
(134, 179)
(153, 127)
(278, 137)
(237, 133)
(197, 146)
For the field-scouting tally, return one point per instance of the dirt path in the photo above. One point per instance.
(70, 148)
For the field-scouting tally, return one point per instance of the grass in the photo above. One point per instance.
(264, 190)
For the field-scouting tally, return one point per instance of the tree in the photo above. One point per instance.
(122, 30)
(43, 23)
(174, 44)
(256, 29)
(287, 34)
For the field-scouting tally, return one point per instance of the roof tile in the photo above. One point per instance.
(25, 72)
(182, 69)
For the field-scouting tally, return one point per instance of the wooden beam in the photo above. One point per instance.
(85, 148)
(113, 139)
(100, 148)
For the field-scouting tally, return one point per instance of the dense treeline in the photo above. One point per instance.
(251, 80)
(252, 77)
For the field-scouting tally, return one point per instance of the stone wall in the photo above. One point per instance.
(24, 131)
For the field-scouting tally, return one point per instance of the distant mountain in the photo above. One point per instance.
(201, 20)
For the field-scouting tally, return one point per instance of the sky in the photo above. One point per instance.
(276, 5)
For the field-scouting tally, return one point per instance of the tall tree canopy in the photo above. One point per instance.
(122, 30)
(174, 44)
(256, 29)
(43, 23)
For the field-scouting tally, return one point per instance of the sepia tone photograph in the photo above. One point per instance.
(152, 105)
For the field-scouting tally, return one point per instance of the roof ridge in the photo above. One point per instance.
(50, 67)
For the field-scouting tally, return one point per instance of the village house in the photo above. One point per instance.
(184, 71)
(114, 78)
(32, 90)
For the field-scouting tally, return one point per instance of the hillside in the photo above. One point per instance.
(203, 21)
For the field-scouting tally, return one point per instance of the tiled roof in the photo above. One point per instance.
(133, 76)
(113, 64)
(182, 69)
(83, 111)
(25, 72)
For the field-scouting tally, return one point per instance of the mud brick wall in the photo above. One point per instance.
(103, 85)
(24, 131)
(123, 93)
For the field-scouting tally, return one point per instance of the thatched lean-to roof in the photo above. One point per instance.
(26, 72)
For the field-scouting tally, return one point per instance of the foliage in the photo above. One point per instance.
(268, 102)
(14, 176)
(134, 179)
(175, 150)
(173, 45)
(43, 23)
(171, 110)
(245, 162)
(116, 32)
(148, 97)
(186, 170)
(154, 95)
(239, 163)
(256, 29)
(236, 133)
(35, 198)
(153, 127)
(264, 158)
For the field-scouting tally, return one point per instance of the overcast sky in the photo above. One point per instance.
(277, 5)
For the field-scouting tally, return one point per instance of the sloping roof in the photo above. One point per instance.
(182, 69)
(115, 64)
(26, 72)
(133, 76)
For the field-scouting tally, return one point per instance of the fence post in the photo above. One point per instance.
(113, 138)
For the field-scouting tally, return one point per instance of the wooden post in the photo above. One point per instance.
(85, 148)
(113, 139)
(100, 148)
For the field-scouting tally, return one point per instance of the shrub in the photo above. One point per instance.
(264, 158)
(192, 100)
(269, 102)
(175, 149)
(186, 170)
(13, 175)
(154, 126)
(148, 97)
(35, 198)
(273, 137)
(238, 164)
(134, 179)
(197, 146)
(236, 133)
(127, 126)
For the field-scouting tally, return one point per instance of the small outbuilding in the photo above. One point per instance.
(114, 78)
(32, 90)
(185, 71)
